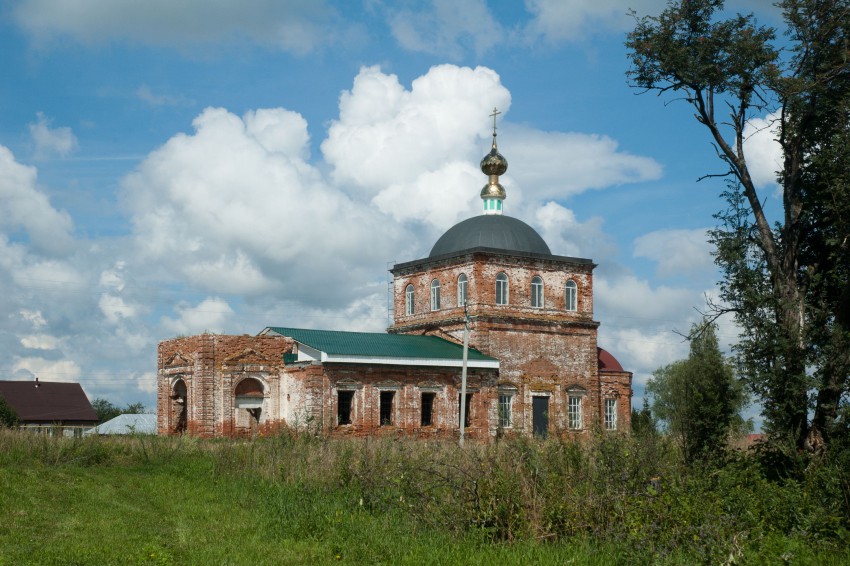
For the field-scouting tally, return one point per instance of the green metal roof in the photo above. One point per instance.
(379, 344)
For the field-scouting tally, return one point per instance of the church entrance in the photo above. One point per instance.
(540, 416)
(248, 405)
(178, 407)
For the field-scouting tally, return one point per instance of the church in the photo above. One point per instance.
(491, 311)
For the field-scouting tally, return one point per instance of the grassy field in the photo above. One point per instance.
(302, 500)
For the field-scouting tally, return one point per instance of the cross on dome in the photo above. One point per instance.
(493, 164)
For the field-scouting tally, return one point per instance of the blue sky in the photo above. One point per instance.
(172, 168)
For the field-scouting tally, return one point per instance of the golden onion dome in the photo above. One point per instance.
(493, 189)
(494, 162)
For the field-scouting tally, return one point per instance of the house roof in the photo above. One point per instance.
(127, 424)
(48, 402)
(379, 347)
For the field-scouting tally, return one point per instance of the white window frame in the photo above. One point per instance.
(571, 295)
(506, 403)
(502, 289)
(575, 419)
(537, 298)
(409, 305)
(435, 295)
(610, 414)
(462, 283)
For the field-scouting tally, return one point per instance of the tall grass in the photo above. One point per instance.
(631, 499)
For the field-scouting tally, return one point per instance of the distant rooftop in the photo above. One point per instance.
(48, 402)
(127, 424)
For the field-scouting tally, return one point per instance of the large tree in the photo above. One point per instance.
(698, 399)
(785, 278)
(8, 416)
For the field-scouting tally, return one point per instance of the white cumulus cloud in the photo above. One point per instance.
(290, 25)
(761, 146)
(676, 252)
(210, 315)
(387, 134)
(235, 207)
(447, 27)
(49, 141)
(26, 206)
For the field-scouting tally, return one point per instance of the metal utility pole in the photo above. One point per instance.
(463, 374)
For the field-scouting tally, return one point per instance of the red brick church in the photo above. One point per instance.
(533, 364)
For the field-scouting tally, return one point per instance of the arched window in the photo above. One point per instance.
(408, 300)
(501, 289)
(537, 292)
(435, 295)
(461, 290)
(572, 299)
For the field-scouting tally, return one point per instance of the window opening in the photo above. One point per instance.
(408, 300)
(537, 292)
(571, 295)
(435, 295)
(611, 414)
(505, 402)
(574, 412)
(501, 289)
(386, 411)
(345, 401)
(461, 290)
(428, 409)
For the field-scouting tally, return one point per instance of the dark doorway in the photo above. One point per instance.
(386, 409)
(343, 407)
(540, 416)
(427, 409)
(178, 407)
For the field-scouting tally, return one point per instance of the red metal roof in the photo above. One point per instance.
(607, 362)
(48, 402)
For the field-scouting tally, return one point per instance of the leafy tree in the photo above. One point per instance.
(106, 410)
(8, 415)
(785, 281)
(643, 423)
(134, 409)
(698, 399)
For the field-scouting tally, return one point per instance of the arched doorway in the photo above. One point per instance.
(248, 404)
(178, 407)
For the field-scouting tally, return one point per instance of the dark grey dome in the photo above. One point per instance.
(491, 231)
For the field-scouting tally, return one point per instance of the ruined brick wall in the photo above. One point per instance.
(305, 395)
(211, 367)
(407, 385)
(617, 385)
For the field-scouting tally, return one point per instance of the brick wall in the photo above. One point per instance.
(543, 352)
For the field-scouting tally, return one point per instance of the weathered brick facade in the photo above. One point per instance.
(530, 314)
(218, 385)
(200, 378)
(544, 351)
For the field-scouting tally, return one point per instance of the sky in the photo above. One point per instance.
(171, 168)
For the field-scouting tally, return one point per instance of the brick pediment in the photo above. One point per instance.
(576, 389)
(177, 360)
